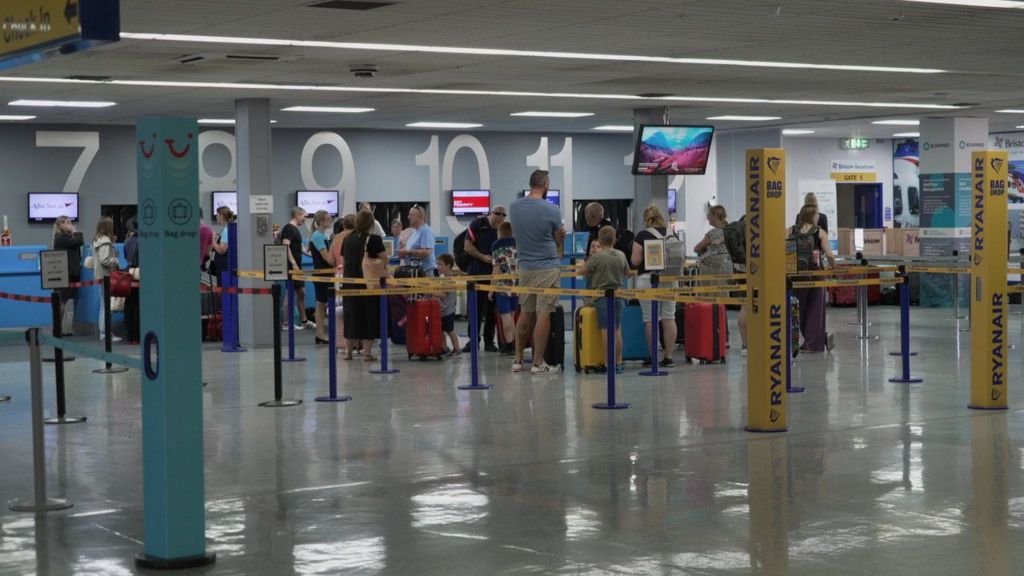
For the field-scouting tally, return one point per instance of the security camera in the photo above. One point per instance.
(364, 70)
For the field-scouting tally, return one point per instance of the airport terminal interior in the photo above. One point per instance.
(696, 287)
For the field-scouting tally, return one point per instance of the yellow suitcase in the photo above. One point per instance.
(590, 348)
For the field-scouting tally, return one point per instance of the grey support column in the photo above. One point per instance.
(649, 189)
(252, 131)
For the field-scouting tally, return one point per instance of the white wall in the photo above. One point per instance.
(732, 158)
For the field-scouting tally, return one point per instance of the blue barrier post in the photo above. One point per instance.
(384, 321)
(610, 356)
(655, 332)
(906, 378)
(332, 354)
(291, 323)
(232, 345)
(474, 336)
(789, 342)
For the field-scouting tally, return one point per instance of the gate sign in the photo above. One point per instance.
(33, 30)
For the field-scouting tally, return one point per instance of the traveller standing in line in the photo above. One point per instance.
(104, 261)
(481, 235)
(291, 236)
(66, 237)
(505, 260)
(811, 244)
(811, 199)
(377, 228)
(712, 251)
(736, 244)
(365, 257)
(594, 215)
(322, 259)
(343, 228)
(205, 240)
(445, 265)
(221, 242)
(420, 248)
(131, 302)
(655, 229)
(606, 269)
(539, 232)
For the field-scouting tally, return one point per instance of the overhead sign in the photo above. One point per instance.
(854, 171)
(854, 143)
(53, 269)
(275, 262)
(36, 29)
(261, 204)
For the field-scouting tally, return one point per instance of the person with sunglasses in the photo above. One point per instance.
(480, 236)
(420, 248)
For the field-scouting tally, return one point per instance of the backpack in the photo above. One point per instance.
(736, 240)
(675, 253)
(806, 246)
(624, 243)
(462, 258)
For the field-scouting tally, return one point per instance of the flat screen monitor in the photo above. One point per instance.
(313, 200)
(553, 197)
(672, 150)
(223, 198)
(671, 200)
(47, 206)
(470, 202)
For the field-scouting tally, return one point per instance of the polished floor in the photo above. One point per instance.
(415, 477)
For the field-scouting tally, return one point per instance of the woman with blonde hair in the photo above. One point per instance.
(322, 258)
(655, 229)
(812, 247)
(711, 250)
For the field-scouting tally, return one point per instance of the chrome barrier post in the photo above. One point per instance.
(789, 341)
(862, 308)
(655, 333)
(58, 371)
(610, 404)
(39, 503)
(385, 327)
(474, 336)
(291, 323)
(906, 378)
(956, 292)
(108, 332)
(277, 402)
(332, 354)
(572, 298)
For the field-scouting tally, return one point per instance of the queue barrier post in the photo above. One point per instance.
(474, 336)
(789, 341)
(108, 332)
(572, 298)
(332, 354)
(385, 320)
(39, 503)
(862, 309)
(860, 314)
(277, 402)
(58, 370)
(57, 330)
(291, 323)
(610, 356)
(655, 331)
(906, 378)
(957, 315)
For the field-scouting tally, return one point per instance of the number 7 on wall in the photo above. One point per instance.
(89, 142)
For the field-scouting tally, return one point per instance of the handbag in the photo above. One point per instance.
(373, 268)
(120, 283)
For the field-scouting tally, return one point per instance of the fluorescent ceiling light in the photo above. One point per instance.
(796, 132)
(443, 125)
(229, 121)
(62, 104)
(906, 135)
(976, 3)
(14, 117)
(1020, 127)
(513, 53)
(328, 109)
(553, 114)
(262, 87)
(736, 118)
(897, 122)
(1010, 111)
(614, 128)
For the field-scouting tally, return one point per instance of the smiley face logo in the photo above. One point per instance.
(774, 415)
(184, 151)
(996, 395)
(147, 154)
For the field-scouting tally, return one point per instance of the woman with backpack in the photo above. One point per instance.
(656, 230)
(104, 260)
(811, 243)
(713, 253)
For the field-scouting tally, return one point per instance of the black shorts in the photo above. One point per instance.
(448, 323)
(322, 291)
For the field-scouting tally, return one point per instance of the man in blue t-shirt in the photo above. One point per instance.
(420, 246)
(539, 232)
(480, 235)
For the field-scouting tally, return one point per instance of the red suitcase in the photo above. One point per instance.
(843, 295)
(423, 334)
(706, 328)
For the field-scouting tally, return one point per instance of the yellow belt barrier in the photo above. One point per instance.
(703, 277)
(841, 271)
(724, 289)
(847, 282)
(1015, 289)
(925, 268)
(683, 297)
(250, 274)
(389, 291)
(540, 291)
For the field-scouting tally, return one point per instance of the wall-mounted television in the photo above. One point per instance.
(223, 198)
(672, 150)
(48, 206)
(671, 200)
(313, 200)
(470, 202)
(553, 197)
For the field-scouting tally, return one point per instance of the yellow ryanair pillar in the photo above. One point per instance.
(989, 302)
(766, 297)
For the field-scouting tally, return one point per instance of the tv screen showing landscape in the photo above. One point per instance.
(672, 150)
(47, 206)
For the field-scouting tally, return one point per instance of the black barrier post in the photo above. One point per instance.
(108, 331)
(572, 298)
(291, 323)
(58, 370)
(906, 378)
(384, 328)
(332, 354)
(57, 331)
(610, 355)
(655, 332)
(277, 402)
(474, 335)
(789, 340)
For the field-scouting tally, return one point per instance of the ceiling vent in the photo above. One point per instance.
(350, 5)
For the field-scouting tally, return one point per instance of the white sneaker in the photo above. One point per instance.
(517, 366)
(116, 339)
(543, 369)
(743, 352)
(830, 341)
(310, 324)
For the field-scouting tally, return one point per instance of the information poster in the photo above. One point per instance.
(906, 184)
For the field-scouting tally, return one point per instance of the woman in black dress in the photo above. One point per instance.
(66, 237)
(362, 313)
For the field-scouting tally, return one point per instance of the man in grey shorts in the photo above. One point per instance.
(539, 232)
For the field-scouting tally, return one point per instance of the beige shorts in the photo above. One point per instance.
(666, 308)
(541, 304)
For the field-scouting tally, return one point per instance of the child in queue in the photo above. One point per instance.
(445, 264)
(606, 268)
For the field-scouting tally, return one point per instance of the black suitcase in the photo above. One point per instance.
(408, 272)
(554, 354)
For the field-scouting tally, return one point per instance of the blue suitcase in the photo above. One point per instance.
(634, 340)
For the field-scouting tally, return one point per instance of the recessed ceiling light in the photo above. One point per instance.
(897, 122)
(796, 132)
(906, 135)
(553, 114)
(14, 117)
(514, 53)
(976, 3)
(1019, 126)
(443, 125)
(328, 109)
(733, 117)
(222, 121)
(1010, 111)
(614, 128)
(62, 103)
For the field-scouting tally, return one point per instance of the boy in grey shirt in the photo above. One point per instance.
(445, 263)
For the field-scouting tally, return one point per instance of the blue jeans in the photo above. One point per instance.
(601, 305)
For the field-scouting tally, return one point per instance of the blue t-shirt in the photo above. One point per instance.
(534, 224)
(422, 238)
(318, 239)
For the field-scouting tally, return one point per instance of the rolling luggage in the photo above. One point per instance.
(397, 318)
(554, 354)
(680, 323)
(499, 328)
(423, 334)
(590, 348)
(705, 338)
(634, 339)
